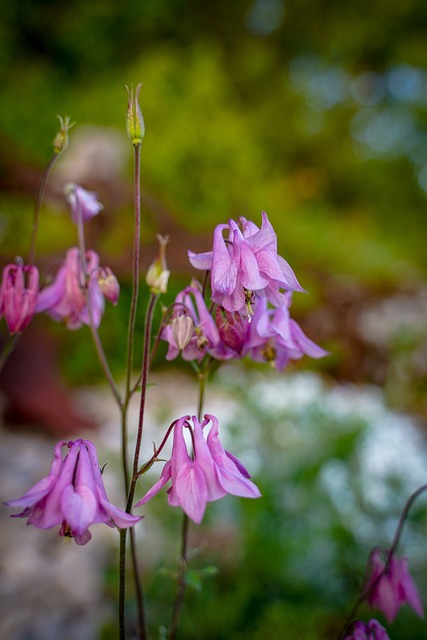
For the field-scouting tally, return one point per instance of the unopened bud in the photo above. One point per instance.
(134, 121)
(158, 275)
(232, 328)
(60, 143)
(109, 284)
(182, 330)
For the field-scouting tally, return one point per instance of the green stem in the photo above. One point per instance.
(40, 195)
(366, 591)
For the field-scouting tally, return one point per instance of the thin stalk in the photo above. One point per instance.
(183, 558)
(365, 591)
(135, 269)
(142, 633)
(94, 331)
(144, 377)
(132, 314)
(7, 349)
(40, 195)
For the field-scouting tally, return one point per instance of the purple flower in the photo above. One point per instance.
(84, 204)
(390, 588)
(274, 337)
(246, 262)
(65, 299)
(204, 333)
(207, 476)
(368, 631)
(72, 495)
(19, 294)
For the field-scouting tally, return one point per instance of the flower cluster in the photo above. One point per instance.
(77, 281)
(251, 292)
(72, 495)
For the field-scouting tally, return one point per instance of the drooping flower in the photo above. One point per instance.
(368, 631)
(392, 587)
(19, 295)
(65, 298)
(190, 303)
(209, 475)
(84, 204)
(275, 337)
(72, 495)
(158, 273)
(245, 263)
(108, 284)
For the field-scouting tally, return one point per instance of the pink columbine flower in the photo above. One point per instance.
(19, 294)
(368, 631)
(204, 333)
(208, 476)
(84, 204)
(72, 495)
(275, 337)
(393, 587)
(244, 263)
(65, 299)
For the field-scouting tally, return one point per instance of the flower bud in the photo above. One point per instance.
(232, 328)
(134, 121)
(158, 275)
(109, 284)
(182, 331)
(60, 143)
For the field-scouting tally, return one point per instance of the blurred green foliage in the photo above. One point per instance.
(248, 105)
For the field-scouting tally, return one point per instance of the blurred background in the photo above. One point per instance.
(315, 112)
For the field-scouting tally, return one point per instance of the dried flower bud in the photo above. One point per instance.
(60, 143)
(182, 331)
(158, 275)
(109, 284)
(134, 121)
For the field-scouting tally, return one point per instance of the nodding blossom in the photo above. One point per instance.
(368, 631)
(84, 204)
(65, 298)
(392, 587)
(273, 336)
(72, 495)
(244, 263)
(209, 475)
(19, 294)
(189, 303)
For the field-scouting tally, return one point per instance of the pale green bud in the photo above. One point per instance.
(134, 121)
(60, 143)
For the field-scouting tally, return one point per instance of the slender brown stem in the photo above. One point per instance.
(144, 379)
(135, 269)
(142, 632)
